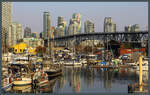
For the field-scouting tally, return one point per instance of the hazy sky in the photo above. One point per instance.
(123, 13)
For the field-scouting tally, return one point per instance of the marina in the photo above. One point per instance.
(95, 50)
(32, 74)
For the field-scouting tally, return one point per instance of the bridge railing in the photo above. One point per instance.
(100, 33)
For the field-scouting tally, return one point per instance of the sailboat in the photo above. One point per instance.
(52, 70)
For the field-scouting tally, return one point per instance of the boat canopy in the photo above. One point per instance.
(21, 59)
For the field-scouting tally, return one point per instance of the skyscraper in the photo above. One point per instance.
(75, 24)
(6, 22)
(77, 18)
(135, 28)
(60, 21)
(88, 26)
(46, 24)
(27, 32)
(61, 27)
(59, 31)
(73, 29)
(132, 28)
(128, 28)
(15, 33)
(109, 26)
(52, 29)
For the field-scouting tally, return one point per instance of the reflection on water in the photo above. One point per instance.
(89, 80)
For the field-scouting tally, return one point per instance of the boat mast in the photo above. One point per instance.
(48, 42)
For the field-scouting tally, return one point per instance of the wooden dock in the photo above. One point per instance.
(135, 88)
(111, 67)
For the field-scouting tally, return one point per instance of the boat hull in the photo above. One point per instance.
(22, 82)
(53, 73)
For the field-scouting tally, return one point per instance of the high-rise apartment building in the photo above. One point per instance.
(27, 32)
(60, 21)
(128, 28)
(59, 31)
(61, 27)
(88, 26)
(15, 33)
(132, 28)
(6, 22)
(135, 28)
(46, 24)
(73, 29)
(109, 26)
(52, 29)
(77, 18)
(75, 24)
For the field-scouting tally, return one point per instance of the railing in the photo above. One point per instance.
(99, 33)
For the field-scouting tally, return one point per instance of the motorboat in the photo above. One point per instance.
(7, 83)
(22, 81)
(22, 89)
(53, 70)
(40, 78)
(77, 63)
(144, 65)
(21, 60)
(21, 74)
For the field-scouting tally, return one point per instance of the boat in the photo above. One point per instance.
(21, 60)
(77, 63)
(68, 63)
(21, 74)
(53, 73)
(144, 65)
(53, 70)
(22, 81)
(7, 83)
(22, 89)
(48, 87)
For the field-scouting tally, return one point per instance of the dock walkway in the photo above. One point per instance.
(111, 67)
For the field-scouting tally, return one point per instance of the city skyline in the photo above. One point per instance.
(34, 17)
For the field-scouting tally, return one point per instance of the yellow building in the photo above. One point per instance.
(22, 47)
(32, 51)
(19, 48)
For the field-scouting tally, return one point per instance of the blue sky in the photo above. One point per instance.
(123, 13)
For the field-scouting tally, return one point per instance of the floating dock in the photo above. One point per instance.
(111, 67)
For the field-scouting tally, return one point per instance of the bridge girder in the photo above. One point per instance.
(105, 37)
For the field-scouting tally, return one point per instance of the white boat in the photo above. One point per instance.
(84, 61)
(7, 83)
(23, 89)
(22, 81)
(21, 60)
(73, 63)
(21, 77)
(77, 63)
(144, 66)
(69, 63)
(40, 78)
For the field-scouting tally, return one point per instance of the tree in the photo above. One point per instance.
(79, 48)
(87, 49)
(41, 50)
